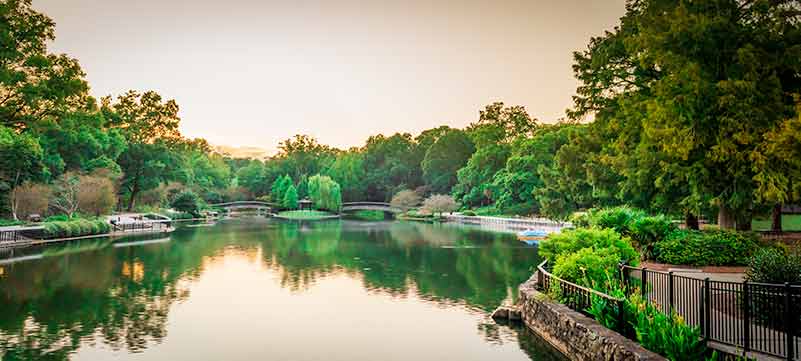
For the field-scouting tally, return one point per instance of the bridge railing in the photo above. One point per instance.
(243, 203)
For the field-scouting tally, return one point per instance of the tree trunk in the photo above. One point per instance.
(726, 218)
(134, 191)
(776, 226)
(744, 221)
(691, 221)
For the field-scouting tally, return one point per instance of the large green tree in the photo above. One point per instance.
(691, 88)
(390, 165)
(34, 85)
(150, 126)
(444, 158)
(20, 161)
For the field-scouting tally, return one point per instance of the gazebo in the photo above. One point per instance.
(304, 204)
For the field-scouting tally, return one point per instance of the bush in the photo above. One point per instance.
(580, 219)
(617, 218)
(594, 268)
(647, 231)
(588, 256)
(57, 218)
(665, 334)
(76, 228)
(701, 248)
(771, 265)
(571, 241)
(469, 213)
(187, 201)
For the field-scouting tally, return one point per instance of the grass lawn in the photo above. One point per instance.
(368, 215)
(790, 222)
(306, 214)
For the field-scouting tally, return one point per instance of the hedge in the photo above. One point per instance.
(76, 228)
(707, 248)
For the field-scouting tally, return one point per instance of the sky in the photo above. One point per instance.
(255, 72)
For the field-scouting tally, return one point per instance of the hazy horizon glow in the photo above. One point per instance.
(252, 73)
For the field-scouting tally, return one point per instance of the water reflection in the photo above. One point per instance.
(89, 300)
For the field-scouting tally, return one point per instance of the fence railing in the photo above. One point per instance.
(752, 317)
(142, 226)
(575, 296)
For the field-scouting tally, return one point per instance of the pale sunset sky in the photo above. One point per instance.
(252, 73)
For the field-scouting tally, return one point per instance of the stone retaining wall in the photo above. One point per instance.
(578, 337)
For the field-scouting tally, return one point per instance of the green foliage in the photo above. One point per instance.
(280, 186)
(588, 256)
(647, 231)
(349, 171)
(325, 193)
(681, 132)
(516, 185)
(572, 241)
(305, 214)
(10, 222)
(445, 157)
(665, 334)
(474, 180)
(770, 265)
(75, 228)
(590, 267)
(714, 248)
(469, 213)
(187, 201)
(618, 218)
(290, 200)
(369, 215)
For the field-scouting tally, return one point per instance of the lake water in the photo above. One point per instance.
(250, 289)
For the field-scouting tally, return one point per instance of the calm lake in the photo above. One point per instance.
(251, 289)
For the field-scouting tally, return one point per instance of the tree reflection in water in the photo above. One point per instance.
(93, 292)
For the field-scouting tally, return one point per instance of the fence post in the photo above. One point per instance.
(539, 279)
(670, 292)
(746, 317)
(788, 321)
(707, 308)
(621, 317)
(644, 284)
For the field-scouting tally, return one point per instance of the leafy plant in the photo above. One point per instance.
(665, 334)
(618, 218)
(771, 265)
(647, 231)
(717, 248)
(571, 241)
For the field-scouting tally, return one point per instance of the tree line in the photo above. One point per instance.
(685, 108)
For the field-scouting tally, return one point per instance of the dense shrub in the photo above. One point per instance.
(57, 218)
(588, 256)
(595, 268)
(617, 218)
(665, 334)
(469, 213)
(774, 266)
(580, 219)
(76, 228)
(714, 248)
(647, 231)
(571, 241)
(187, 201)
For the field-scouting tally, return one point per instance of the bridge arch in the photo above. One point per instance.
(371, 206)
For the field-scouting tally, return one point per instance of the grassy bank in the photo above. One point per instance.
(790, 223)
(306, 215)
(368, 215)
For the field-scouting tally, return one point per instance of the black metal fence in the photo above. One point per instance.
(752, 317)
(575, 296)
